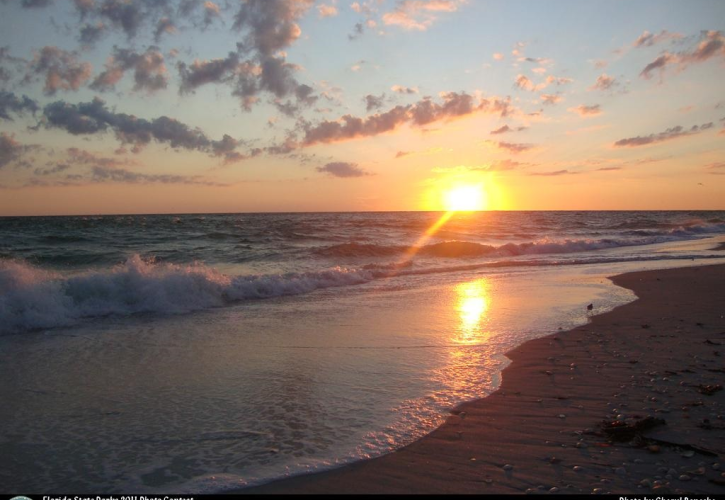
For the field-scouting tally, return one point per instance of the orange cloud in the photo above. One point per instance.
(586, 111)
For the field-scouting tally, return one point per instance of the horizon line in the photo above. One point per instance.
(128, 214)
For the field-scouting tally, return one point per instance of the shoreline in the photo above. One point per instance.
(541, 431)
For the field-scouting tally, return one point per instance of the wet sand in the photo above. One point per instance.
(660, 356)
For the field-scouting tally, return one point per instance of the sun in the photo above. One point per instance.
(466, 198)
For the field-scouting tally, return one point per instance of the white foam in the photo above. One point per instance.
(31, 298)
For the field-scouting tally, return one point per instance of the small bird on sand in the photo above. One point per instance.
(590, 307)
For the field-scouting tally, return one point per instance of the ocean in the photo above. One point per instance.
(200, 353)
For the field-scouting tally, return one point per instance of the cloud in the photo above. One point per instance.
(248, 79)
(62, 70)
(79, 156)
(423, 112)
(7, 62)
(498, 56)
(418, 14)
(513, 147)
(608, 169)
(343, 169)
(374, 102)
(271, 25)
(89, 34)
(326, 11)
(720, 164)
(648, 39)
(401, 154)
(358, 65)
(711, 44)
(659, 64)
(127, 15)
(164, 26)
(10, 103)
(94, 117)
(34, 4)
(84, 7)
(557, 80)
(583, 110)
(551, 99)
(539, 60)
(58, 168)
(258, 66)
(523, 82)
(400, 89)
(11, 150)
(101, 174)
(604, 82)
(357, 31)
(553, 174)
(505, 129)
(211, 12)
(148, 67)
(454, 104)
(224, 70)
(350, 127)
(304, 95)
(667, 135)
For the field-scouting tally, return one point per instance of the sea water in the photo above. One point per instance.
(199, 353)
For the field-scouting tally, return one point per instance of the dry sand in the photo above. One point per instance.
(542, 430)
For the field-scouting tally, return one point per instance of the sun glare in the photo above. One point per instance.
(465, 198)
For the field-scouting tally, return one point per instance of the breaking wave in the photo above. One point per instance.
(32, 298)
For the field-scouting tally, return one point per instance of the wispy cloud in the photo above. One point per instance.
(553, 174)
(400, 89)
(711, 44)
(648, 39)
(604, 82)
(506, 129)
(11, 149)
(326, 11)
(418, 14)
(551, 99)
(668, 135)
(343, 169)
(523, 82)
(587, 111)
(512, 147)
(10, 103)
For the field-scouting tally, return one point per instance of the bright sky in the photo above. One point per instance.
(159, 106)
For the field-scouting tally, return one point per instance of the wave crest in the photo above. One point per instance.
(459, 249)
(32, 298)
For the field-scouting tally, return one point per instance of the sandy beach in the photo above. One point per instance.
(655, 366)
